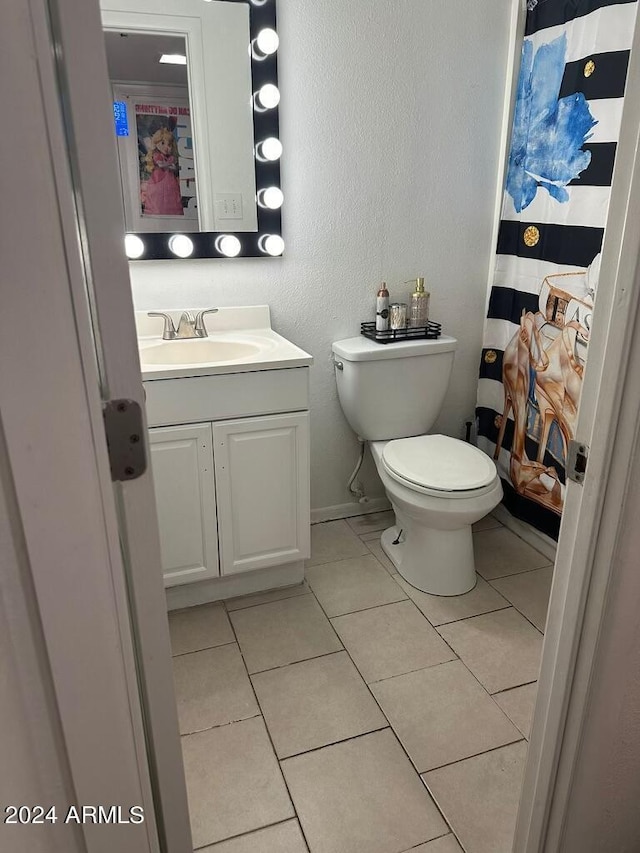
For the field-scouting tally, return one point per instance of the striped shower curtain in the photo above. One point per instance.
(563, 146)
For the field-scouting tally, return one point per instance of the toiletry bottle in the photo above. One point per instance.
(419, 306)
(382, 309)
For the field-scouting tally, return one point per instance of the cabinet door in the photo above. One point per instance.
(262, 486)
(182, 465)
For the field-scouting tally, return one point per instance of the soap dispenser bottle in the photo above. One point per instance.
(419, 306)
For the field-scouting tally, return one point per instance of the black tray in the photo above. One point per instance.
(393, 336)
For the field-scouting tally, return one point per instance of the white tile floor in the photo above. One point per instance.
(355, 714)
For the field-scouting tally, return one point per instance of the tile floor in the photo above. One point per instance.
(355, 714)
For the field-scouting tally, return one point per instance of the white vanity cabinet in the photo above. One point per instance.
(182, 464)
(230, 463)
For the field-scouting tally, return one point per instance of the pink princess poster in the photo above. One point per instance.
(167, 182)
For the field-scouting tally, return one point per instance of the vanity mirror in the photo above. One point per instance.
(196, 98)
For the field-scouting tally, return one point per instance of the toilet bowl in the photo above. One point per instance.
(438, 487)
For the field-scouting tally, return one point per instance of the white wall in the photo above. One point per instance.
(390, 121)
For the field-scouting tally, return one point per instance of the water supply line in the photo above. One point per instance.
(355, 487)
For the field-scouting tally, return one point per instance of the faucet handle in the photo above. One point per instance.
(200, 328)
(169, 333)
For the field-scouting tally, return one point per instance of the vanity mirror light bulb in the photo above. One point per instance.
(271, 197)
(258, 2)
(228, 245)
(181, 245)
(268, 96)
(266, 43)
(133, 246)
(271, 244)
(269, 149)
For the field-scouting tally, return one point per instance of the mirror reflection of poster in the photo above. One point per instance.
(157, 165)
(165, 153)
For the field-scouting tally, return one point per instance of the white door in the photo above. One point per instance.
(60, 42)
(262, 485)
(182, 464)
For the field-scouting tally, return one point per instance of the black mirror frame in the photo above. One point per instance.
(262, 14)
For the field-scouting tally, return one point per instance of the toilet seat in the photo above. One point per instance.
(439, 465)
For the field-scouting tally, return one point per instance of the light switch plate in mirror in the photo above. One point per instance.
(169, 16)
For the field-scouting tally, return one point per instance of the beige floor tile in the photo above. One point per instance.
(361, 796)
(442, 714)
(283, 632)
(518, 705)
(351, 585)
(529, 593)
(266, 597)
(375, 548)
(501, 649)
(446, 844)
(391, 640)
(199, 628)
(334, 540)
(440, 609)
(282, 838)
(479, 797)
(234, 784)
(500, 552)
(373, 521)
(371, 537)
(486, 523)
(314, 703)
(212, 689)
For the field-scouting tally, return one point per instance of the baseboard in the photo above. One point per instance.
(331, 513)
(540, 541)
(230, 586)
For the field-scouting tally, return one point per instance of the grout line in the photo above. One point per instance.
(478, 754)
(517, 687)
(272, 601)
(547, 565)
(220, 725)
(401, 745)
(510, 606)
(294, 662)
(336, 742)
(247, 834)
(275, 754)
(205, 649)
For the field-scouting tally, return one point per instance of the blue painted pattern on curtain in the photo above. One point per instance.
(565, 131)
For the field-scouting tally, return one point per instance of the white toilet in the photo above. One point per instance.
(438, 486)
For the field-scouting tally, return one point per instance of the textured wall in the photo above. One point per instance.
(390, 120)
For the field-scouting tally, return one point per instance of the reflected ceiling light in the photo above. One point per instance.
(268, 96)
(266, 43)
(271, 244)
(133, 246)
(228, 245)
(271, 197)
(258, 2)
(173, 59)
(269, 149)
(181, 245)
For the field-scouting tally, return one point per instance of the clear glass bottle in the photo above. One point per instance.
(419, 306)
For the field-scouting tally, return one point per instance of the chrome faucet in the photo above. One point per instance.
(188, 327)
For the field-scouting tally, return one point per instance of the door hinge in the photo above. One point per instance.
(124, 427)
(577, 459)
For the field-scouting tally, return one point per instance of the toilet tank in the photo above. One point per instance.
(392, 390)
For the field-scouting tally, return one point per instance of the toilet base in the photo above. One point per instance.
(439, 562)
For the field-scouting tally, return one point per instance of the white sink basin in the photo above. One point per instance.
(198, 351)
(240, 340)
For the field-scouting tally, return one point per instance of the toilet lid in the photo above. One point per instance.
(439, 462)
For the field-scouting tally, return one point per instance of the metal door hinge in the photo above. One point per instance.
(577, 459)
(124, 426)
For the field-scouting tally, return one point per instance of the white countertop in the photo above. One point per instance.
(244, 325)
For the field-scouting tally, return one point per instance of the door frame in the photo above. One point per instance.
(91, 221)
(71, 301)
(590, 529)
